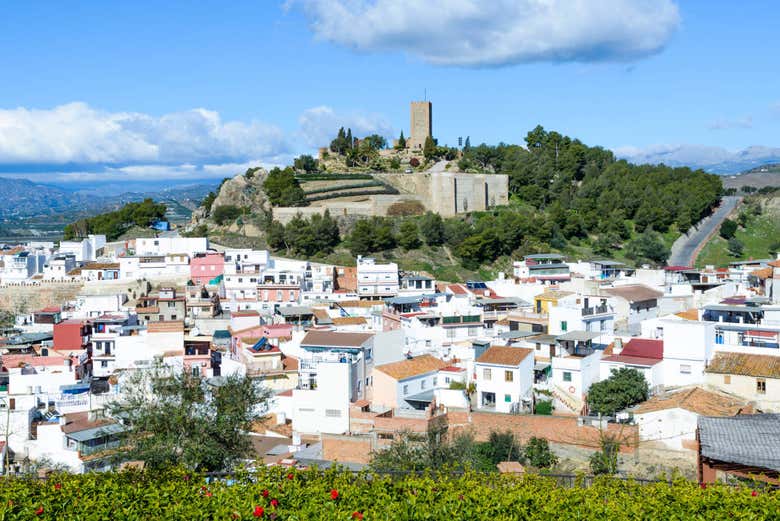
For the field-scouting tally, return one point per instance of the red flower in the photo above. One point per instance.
(460, 497)
(754, 493)
(39, 511)
(187, 477)
(703, 486)
(265, 493)
(208, 494)
(234, 516)
(274, 503)
(290, 475)
(57, 486)
(357, 515)
(334, 494)
(259, 511)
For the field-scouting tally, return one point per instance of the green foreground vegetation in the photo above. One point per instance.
(114, 224)
(282, 494)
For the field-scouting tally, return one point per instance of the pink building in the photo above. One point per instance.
(205, 267)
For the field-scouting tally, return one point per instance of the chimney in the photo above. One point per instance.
(92, 415)
(63, 420)
(617, 346)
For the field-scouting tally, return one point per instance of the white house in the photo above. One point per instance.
(670, 419)
(161, 246)
(575, 367)
(505, 377)
(407, 384)
(633, 304)
(644, 355)
(376, 280)
(688, 347)
(323, 408)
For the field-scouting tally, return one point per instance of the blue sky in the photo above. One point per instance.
(132, 91)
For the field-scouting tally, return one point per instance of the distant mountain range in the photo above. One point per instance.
(715, 160)
(31, 209)
(22, 198)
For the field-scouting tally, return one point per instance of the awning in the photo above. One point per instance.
(541, 366)
(579, 336)
(96, 432)
(423, 397)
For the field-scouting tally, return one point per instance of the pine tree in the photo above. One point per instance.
(467, 144)
(401, 141)
(350, 141)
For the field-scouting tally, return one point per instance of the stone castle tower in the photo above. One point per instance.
(421, 124)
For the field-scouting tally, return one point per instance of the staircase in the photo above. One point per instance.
(571, 402)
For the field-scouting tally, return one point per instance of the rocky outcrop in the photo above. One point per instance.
(239, 191)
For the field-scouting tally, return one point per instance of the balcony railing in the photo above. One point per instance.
(595, 310)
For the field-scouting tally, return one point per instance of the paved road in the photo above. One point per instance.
(685, 247)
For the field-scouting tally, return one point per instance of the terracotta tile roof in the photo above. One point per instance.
(774, 264)
(644, 347)
(411, 367)
(349, 321)
(334, 339)
(12, 361)
(148, 309)
(689, 314)
(498, 355)
(360, 303)
(763, 273)
(452, 369)
(101, 266)
(457, 289)
(290, 363)
(553, 295)
(632, 360)
(166, 326)
(767, 366)
(634, 292)
(245, 313)
(79, 421)
(696, 400)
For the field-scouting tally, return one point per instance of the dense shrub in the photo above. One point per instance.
(279, 493)
(225, 213)
(113, 224)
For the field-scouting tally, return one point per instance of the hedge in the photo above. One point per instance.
(335, 195)
(283, 494)
(331, 177)
(343, 187)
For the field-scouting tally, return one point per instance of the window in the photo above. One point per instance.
(173, 317)
(685, 369)
(566, 376)
(538, 346)
(486, 374)
(760, 386)
(104, 363)
(434, 381)
(603, 325)
(195, 370)
(451, 332)
(422, 384)
(726, 379)
(564, 326)
(333, 413)
(446, 379)
(508, 398)
(473, 331)
(406, 390)
(171, 304)
(509, 376)
(718, 337)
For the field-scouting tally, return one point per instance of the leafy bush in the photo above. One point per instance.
(537, 452)
(113, 224)
(405, 208)
(282, 494)
(225, 213)
(606, 460)
(414, 162)
(624, 388)
(544, 407)
(728, 229)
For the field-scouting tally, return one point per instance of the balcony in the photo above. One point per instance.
(596, 310)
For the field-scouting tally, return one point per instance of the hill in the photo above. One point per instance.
(758, 233)
(564, 196)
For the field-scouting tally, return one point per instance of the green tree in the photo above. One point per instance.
(282, 188)
(305, 163)
(502, 446)
(735, 247)
(648, 247)
(375, 141)
(605, 462)
(537, 452)
(432, 229)
(225, 213)
(360, 240)
(728, 228)
(625, 387)
(395, 164)
(401, 144)
(174, 418)
(431, 451)
(409, 235)
(467, 144)
(274, 236)
(340, 144)
(429, 148)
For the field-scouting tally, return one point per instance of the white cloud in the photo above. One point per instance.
(78, 133)
(710, 158)
(477, 33)
(319, 125)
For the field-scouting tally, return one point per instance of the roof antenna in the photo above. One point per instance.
(425, 94)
